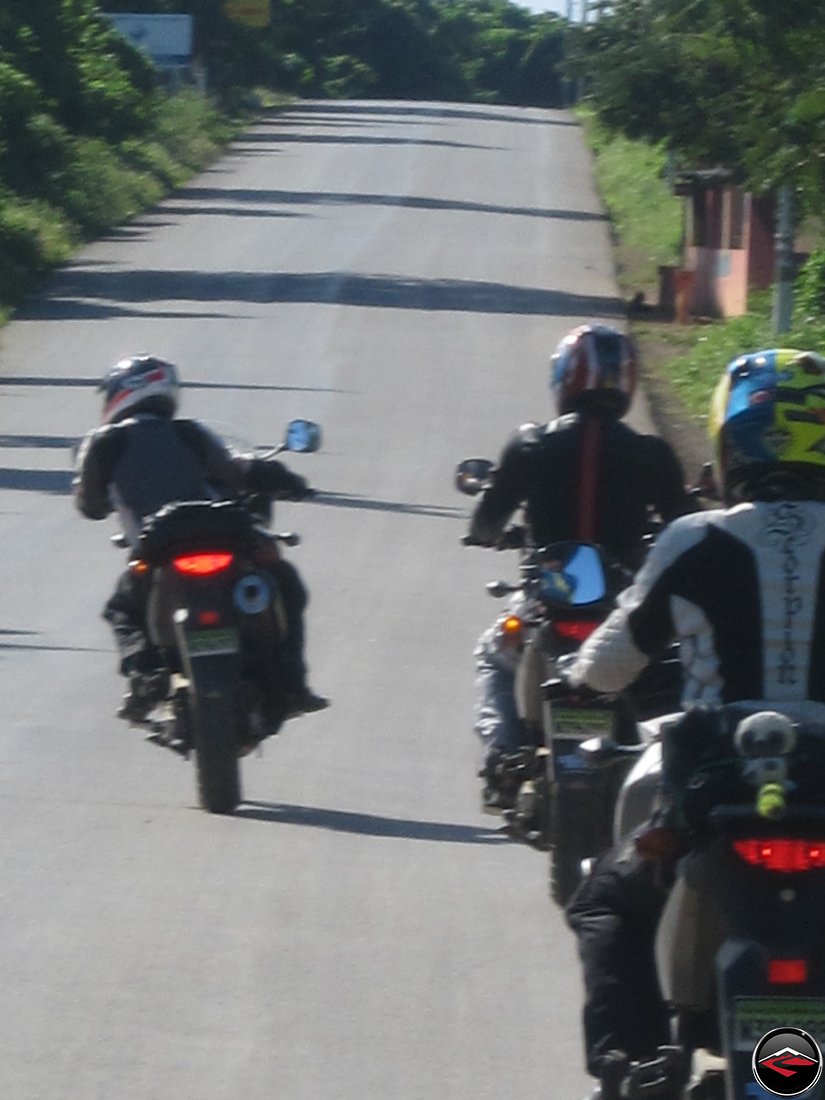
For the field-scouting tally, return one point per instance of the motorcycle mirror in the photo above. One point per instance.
(571, 574)
(500, 588)
(302, 436)
(706, 483)
(472, 476)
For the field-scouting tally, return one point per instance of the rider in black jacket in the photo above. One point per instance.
(586, 475)
(142, 458)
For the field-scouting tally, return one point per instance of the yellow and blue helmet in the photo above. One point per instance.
(767, 425)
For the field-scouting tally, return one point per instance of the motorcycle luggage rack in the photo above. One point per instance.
(727, 816)
(189, 523)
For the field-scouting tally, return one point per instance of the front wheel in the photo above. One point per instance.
(215, 741)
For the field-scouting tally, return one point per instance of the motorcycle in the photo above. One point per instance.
(215, 614)
(564, 592)
(739, 949)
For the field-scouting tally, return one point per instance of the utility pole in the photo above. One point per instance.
(569, 85)
(783, 261)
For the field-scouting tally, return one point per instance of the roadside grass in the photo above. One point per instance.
(646, 216)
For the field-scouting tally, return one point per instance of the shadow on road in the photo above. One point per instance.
(342, 821)
(370, 504)
(57, 441)
(352, 139)
(404, 110)
(93, 383)
(235, 195)
(58, 482)
(75, 297)
(27, 645)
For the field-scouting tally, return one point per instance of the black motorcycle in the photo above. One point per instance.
(216, 615)
(564, 591)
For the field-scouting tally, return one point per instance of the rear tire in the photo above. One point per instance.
(215, 738)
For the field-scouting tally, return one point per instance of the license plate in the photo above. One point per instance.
(206, 643)
(754, 1017)
(583, 721)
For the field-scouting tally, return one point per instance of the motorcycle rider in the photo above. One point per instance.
(742, 589)
(585, 475)
(141, 458)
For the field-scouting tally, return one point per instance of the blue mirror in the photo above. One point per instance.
(302, 436)
(571, 574)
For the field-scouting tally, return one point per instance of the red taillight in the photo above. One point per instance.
(787, 971)
(202, 565)
(574, 630)
(782, 853)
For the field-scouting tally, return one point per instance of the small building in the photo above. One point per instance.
(728, 244)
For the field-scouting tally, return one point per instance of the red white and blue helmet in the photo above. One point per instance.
(594, 368)
(141, 383)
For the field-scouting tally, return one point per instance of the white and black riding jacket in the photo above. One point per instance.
(743, 592)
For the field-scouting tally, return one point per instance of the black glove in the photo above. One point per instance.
(271, 476)
(298, 489)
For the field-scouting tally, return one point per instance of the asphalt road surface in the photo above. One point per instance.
(400, 273)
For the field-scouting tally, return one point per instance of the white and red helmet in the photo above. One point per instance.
(141, 383)
(594, 367)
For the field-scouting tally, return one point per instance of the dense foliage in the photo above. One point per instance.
(86, 138)
(489, 50)
(732, 83)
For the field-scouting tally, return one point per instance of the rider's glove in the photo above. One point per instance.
(271, 476)
(297, 488)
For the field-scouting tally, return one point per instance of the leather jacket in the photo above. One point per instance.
(584, 477)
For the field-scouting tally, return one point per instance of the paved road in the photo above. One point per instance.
(399, 272)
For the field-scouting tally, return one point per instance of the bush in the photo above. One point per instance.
(809, 290)
(347, 77)
(190, 129)
(33, 237)
(99, 190)
(86, 185)
(36, 156)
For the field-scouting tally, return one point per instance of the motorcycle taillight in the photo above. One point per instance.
(574, 630)
(787, 971)
(787, 854)
(202, 564)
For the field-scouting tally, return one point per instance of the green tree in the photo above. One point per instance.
(92, 82)
(736, 83)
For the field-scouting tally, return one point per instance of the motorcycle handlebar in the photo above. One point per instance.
(514, 538)
(561, 690)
